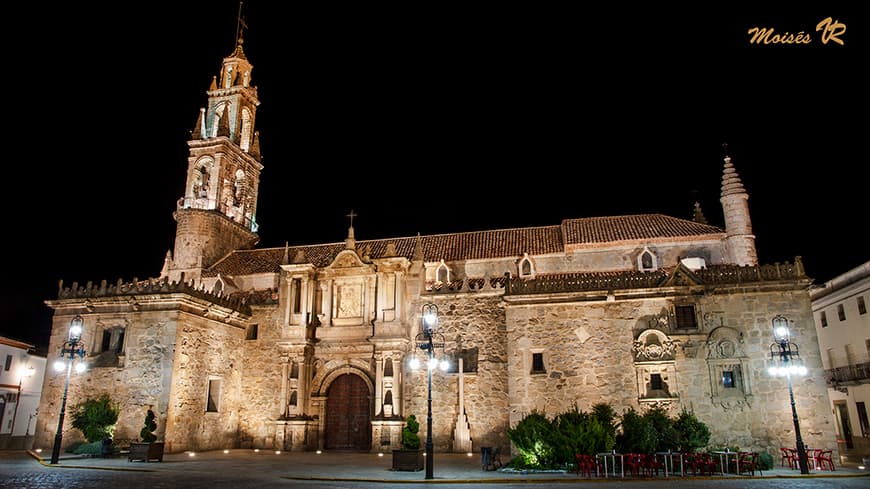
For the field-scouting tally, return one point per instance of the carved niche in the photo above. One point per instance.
(727, 366)
(655, 366)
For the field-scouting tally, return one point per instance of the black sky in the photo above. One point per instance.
(433, 119)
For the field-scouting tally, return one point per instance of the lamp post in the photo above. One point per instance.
(71, 349)
(787, 362)
(425, 340)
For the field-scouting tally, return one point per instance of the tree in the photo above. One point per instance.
(663, 426)
(534, 437)
(410, 438)
(147, 434)
(638, 434)
(692, 433)
(96, 418)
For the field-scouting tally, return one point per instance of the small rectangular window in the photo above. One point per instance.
(862, 307)
(655, 382)
(823, 318)
(728, 379)
(841, 312)
(8, 362)
(685, 316)
(251, 333)
(538, 363)
(213, 399)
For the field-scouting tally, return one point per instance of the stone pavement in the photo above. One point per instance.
(362, 467)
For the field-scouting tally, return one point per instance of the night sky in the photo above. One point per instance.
(433, 119)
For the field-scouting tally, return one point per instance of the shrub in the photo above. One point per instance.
(638, 434)
(96, 418)
(93, 448)
(766, 460)
(609, 420)
(663, 427)
(579, 432)
(692, 434)
(147, 434)
(410, 438)
(533, 437)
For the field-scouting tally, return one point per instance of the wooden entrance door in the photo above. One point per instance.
(348, 418)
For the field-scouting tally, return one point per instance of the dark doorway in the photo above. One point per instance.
(862, 418)
(348, 418)
(845, 424)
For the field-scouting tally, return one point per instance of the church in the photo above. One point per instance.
(309, 347)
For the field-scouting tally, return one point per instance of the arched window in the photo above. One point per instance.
(245, 139)
(646, 260)
(388, 399)
(239, 188)
(294, 398)
(388, 367)
(442, 274)
(526, 268)
(218, 113)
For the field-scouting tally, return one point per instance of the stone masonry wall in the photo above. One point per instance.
(139, 381)
(466, 321)
(205, 350)
(261, 388)
(588, 359)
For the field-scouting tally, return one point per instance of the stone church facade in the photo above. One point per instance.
(307, 347)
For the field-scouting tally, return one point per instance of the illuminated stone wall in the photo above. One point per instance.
(588, 357)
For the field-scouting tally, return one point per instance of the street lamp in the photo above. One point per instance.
(71, 349)
(787, 363)
(425, 340)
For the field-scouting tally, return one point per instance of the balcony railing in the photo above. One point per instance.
(851, 374)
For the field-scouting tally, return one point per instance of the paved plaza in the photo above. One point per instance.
(249, 468)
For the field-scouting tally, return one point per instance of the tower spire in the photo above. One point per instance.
(240, 26)
(739, 240)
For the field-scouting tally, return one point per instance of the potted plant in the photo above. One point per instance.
(149, 448)
(409, 457)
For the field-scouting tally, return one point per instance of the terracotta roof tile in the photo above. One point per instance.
(500, 243)
(593, 230)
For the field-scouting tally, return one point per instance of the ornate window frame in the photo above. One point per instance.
(654, 353)
(726, 353)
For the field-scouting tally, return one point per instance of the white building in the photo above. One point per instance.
(20, 389)
(843, 326)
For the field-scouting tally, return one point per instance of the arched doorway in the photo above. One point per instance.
(348, 418)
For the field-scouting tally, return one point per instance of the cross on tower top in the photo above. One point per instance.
(351, 216)
(240, 25)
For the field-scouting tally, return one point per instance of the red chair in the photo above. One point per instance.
(633, 463)
(824, 460)
(650, 464)
(788, 456)
(702, 463)
(750, 462)
(586, 464)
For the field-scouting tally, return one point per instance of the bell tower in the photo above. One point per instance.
(217, 213)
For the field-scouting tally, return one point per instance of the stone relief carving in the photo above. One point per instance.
(725, 342)
(660, 321)
(713, 319)
(653, 345)
(735, 403)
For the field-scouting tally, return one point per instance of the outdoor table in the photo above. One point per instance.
(612, 456)
(668, 457)
(723, 460)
